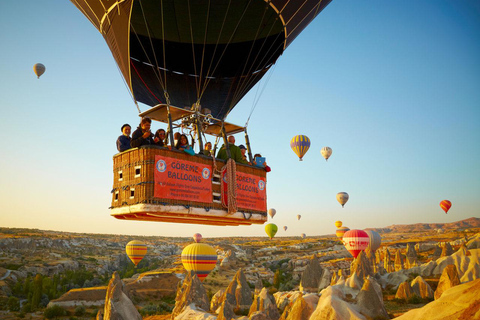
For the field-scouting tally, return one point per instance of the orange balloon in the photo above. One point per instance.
(445, 205)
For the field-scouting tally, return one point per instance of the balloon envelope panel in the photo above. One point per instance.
(375, 240)
(355, 241)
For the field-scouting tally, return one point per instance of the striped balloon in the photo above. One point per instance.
(300, 145)
(355, 241)
(136, 250)
(338, 224)
(199, 258)
(197, 237)
(341, 231)
(445, 205)
(375, 240)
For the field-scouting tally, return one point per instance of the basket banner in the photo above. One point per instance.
(182, 180)
(251, 191)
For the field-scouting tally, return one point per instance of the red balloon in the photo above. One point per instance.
(445, 205)
(355, 241)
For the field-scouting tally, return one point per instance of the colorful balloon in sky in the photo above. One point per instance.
(445, 205)
(199, 257)
(303, 235)
(271, 229)
(39, 69)
(342, 198)
(285, 228)
(341, 231)
(197, 237)
(338, 224)
(300, 145)
(326, 152)
(272, 212)
(136, 250)
(355, 241)
(375, 240)
(299, 216)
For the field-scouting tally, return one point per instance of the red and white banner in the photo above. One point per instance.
(251, 191)
(182, 180)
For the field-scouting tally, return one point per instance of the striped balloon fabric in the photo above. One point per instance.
(355, 241)
(199, 257)
(341, 231)
(375, 240)
(445, 205)
(136, 250)
(300, 145)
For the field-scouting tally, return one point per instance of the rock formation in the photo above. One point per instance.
(411, 256)
(299, 310)
(332, 305)
(370, 300)
(404, 291)
(387, 262)
(446, 250)
(216, 301)
(361, 266)
(399, 261)
(448, 279)
(312, 277)
(229, 261)
(117, 304)
(226, 311)
(238, 293)
(370, 256)
(421, 288)
(266, 303)
(436, 253)
(190, 291)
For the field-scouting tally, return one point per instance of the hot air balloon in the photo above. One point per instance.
(445, 205)
(338, 224)
(272, 212)
(199, 257)
(355, 241)
(300, 145)
(136, 250)
(39, 69)
(192, 62)
(271, 229)
(303, 235)
(197, 237)
(299, 216)
(340, 232)
(342, 198)
(285, 228)
(375, 240)
(326, 152)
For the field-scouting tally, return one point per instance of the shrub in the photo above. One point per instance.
(79, 311)
(54, 311)
(13, 304)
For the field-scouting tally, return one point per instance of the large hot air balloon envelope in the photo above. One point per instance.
(340, 232)
(338, 224)
(355, 241)
(342, 198)
(136, 250)
(210, 52)
(326, 152)
(300, 145)
(272, 212)
(197, 237)
(299, 216)
(445, 205)
(375, 240)
(199, 257)
(271, 229)
(39, 69)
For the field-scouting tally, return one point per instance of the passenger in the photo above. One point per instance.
(208, 149)
(235, 152)
(267, 168)
(142, 136)
(244, 151)
(159, 138)
(176, 137)
(182, 143)
(123, 142)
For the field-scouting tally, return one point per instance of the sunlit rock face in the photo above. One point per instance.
(404, 291)
(466, 261)
(266, 303)
(399, 265)
(312, 276)
(117, 304)
(411, 256)
(190, 292)
(332, 306)
(299, 310)
(225, 311)
(217, 300)
(446, 250)
(437, 252)
(387, 263)
(448, 280)
(421, 288)
(370, 300)
(238, 293)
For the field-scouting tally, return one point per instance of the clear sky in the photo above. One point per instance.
(393, 87)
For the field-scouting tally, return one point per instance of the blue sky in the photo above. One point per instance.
(393, 87)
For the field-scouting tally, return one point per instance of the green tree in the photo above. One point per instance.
(277, 278)
(37, 290)
(13, 304)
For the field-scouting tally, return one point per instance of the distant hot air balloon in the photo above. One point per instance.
(326, 152)
(375, 240)
(299, 216)
(39, 69)
(136, 250)
(355, 241)
(197, 237)
(285, 228)
(303, 235)
(272, 212)
(199, 257)
(271, 229)
(445, 205)
(338, 224)
(300, 145)
(342, 197)
(341, 231)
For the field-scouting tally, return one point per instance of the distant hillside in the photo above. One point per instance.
(422, 227)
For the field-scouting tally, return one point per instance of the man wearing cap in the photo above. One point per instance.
(235, 152)
(142, 136)
(123, 142)
(243, 150)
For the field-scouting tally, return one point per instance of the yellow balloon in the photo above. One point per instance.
(199, 258)
(338, 224)
(271, 229)
(39, 69)
(136, 250)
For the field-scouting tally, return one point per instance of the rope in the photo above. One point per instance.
(231, 170)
